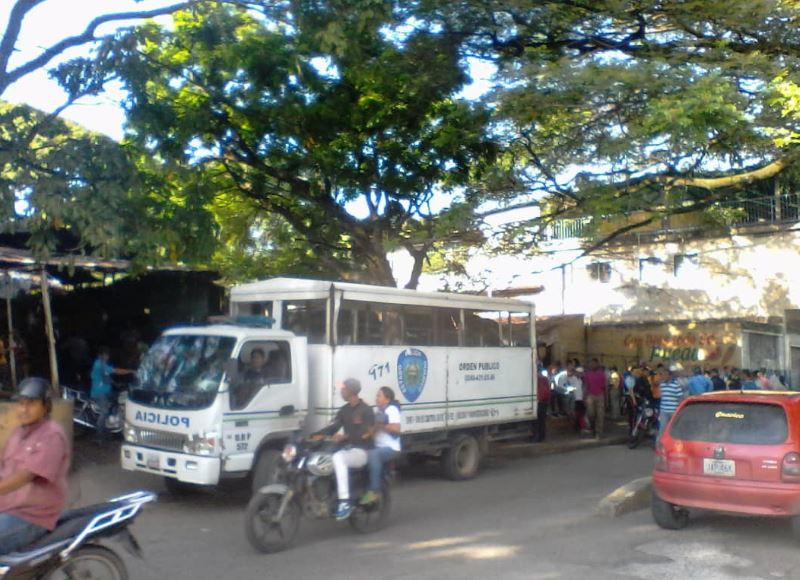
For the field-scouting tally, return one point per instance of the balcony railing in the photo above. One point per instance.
(767, 210)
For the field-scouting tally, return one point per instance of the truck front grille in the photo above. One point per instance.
(160, 439)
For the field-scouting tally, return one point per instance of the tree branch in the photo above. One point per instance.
(7, 77)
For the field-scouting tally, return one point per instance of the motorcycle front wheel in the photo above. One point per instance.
(263, 532)
(91, 562)
(79, 429)
(373, 517)
(636, 437)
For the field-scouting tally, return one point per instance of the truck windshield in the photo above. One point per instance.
(182, 372)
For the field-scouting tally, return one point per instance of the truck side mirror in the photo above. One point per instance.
(286, 411)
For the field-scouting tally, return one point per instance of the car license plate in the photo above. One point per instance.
(153, 462)
(723, 467)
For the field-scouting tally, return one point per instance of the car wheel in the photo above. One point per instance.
(667, 515)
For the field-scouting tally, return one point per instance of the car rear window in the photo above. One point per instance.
(746, 423)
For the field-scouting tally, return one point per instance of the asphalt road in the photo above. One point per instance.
(522, 517)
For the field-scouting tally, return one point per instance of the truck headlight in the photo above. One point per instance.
(201, 444)
(131, 433)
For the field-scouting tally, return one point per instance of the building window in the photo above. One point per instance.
(600, 271)
(651, 270)
(685, 264)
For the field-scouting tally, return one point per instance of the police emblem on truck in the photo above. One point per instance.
(412, 370)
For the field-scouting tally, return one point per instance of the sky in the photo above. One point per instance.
(50, 22)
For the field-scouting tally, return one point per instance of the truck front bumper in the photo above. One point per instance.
(183, 467)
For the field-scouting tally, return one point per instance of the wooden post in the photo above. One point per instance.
(51, 337)
(12, 358)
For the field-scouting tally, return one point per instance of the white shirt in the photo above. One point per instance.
(577, 383)
(390, 440)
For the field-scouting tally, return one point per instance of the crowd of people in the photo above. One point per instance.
(588, 394)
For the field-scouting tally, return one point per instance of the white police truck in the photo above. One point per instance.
(221, 400)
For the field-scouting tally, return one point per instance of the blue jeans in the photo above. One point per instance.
(104, 402)
(376, 458)
(663, 419)
(16, 533)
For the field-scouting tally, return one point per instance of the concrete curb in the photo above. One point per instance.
(634, 495)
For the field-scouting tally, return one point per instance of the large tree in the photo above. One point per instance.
(332, 117)
(73, 190)
(608, 107)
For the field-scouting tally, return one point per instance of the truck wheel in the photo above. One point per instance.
(267, 469)
(668, 516)
(460, 461)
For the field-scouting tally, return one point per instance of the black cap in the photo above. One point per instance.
(33, 388)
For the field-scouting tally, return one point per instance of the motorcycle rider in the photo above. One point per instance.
(33, 472)
(102, 388)
(388, 423)
(356, 419)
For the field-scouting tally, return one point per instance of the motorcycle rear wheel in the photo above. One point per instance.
(265, 535)
(91, 562)
(371, 518)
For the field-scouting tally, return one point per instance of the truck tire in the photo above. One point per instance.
(267, 469)
(460, 461)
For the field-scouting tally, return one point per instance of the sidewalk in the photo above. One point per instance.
(562, 438)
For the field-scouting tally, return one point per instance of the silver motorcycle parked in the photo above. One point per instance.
(86, 412)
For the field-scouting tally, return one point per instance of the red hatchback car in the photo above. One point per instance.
(730, 451)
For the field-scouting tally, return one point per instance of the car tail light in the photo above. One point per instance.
(790, 468)
(661, 458)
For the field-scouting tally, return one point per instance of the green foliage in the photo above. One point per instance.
(605, 107)
(322, 128)
(73, 190)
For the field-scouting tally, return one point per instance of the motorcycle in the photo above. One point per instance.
(73, 548)
(304, 483)
(86, 411)
(645, 424)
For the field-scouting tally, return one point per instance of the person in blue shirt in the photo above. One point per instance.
(102, 388)
(699, 383)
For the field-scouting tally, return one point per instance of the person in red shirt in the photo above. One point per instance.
(595, 387)
(33, 472)
(542, 403)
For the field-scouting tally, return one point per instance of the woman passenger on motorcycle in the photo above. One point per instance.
(386, 432)
(33, 472)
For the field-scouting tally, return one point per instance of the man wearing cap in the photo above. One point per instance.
(33, 472)
(356, 419)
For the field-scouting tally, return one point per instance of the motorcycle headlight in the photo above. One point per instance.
(289, 453)
(202, 444)
(648, 412)
(131, 433)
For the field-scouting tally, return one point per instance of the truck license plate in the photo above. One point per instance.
(723, 467)
(152, 462)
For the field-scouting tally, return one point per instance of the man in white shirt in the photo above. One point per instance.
(386, 430)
